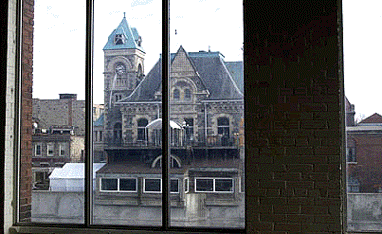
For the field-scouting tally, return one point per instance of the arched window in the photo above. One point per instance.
(174, 162)
(142, 123)
(117, 131)
(223, 127)
(176, 94)
(187, 94)
(139, 75)
(189, 129)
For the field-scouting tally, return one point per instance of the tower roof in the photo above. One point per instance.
(124, 37)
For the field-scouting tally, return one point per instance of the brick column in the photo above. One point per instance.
(294, 118)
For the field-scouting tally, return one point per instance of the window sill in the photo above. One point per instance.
(119, 230)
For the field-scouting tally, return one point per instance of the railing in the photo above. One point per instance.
(211, 141)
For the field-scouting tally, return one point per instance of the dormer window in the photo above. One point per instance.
(119, 39)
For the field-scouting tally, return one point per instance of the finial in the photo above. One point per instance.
(124, 14)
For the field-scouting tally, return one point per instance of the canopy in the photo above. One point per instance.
(157, 124)
(71, 177)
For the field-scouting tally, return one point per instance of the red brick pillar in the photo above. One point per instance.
(294, 120)
(26, 111)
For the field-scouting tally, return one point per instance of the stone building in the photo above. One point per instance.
(206, 136)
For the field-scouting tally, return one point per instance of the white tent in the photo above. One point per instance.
(71, 177)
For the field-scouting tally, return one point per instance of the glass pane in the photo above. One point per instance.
(127, 111)
(109, 184)
(363, 114)
(204, 185)
(152, 185)
(51, 151)
(206, 110)
(223, 185)
(174, 186)
(128, 185)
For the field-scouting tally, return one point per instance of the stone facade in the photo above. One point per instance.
(206, 113)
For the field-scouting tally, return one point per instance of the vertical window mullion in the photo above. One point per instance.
(165, 112)
(89, 111)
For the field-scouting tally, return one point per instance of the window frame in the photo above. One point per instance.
(155, 192)
(214, 184)
(47, 149)
(176, 94)
(186, 185)
(118, 190)
(128, 178)
(63, 146)
(35, 149)
(141, 128)
(223, 128)
(103, 190)
(88, 225)
(178, 186)
(187, 94)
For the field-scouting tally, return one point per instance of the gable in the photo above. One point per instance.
(183, 71)
(374, 118)
(207, 70)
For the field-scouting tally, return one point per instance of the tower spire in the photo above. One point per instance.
(124, 14)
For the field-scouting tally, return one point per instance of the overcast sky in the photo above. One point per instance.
(362, 55)
(59, 37)
(59, 43)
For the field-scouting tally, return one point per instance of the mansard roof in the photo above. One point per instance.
(211, 68)
(132, 38)
(236, 69)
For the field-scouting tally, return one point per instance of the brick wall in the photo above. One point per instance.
(367, 169)
(60, 112)
(26, 111)
(293, 117)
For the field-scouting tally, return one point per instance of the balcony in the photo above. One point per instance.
(155, 141)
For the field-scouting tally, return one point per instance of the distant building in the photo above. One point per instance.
(207, 159)
(53, 148)
(99, 154)
(206, 138)
(364, 154)
(65, 111)
(58, 134)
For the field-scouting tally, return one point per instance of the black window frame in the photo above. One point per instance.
(88, 225)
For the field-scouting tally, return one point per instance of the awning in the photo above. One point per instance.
(157, 124)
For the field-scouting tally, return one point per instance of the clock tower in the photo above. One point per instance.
(123, 71)
(123, 62)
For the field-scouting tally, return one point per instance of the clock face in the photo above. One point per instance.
(120, 69)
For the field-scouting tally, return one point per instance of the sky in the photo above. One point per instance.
(59, 37)
(362, 26)
(59, 41)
